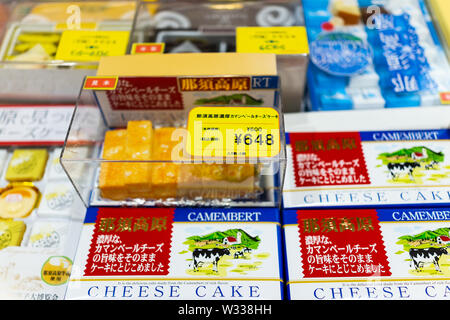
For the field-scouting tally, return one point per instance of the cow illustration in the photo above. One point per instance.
(213, 255)
(398, 169)
(420, 256)
(432, 165)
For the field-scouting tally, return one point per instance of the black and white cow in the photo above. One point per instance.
(420, 256)
(398, 169)
(431, 165)
(200, 256)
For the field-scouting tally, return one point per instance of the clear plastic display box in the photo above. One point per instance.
(210, 26)
(123, 150)
(36, 30)
(49, 45)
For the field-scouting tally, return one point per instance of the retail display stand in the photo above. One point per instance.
(224, 150)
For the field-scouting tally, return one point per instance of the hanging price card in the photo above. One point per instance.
(249, 132)
(278, 40)
(90, 46)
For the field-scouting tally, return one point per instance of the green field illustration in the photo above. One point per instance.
(415, 165)
(428, 251)
(233, 99)
(222, 252)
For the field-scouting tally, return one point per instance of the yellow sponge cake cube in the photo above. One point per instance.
(139, 140)
(165, 180)
(163, 145)
(190, 180)
(138, 147)
(165, 175)
(111, 180)
(114, 145)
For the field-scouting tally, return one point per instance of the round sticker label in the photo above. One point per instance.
(56, 270)
(340, 54)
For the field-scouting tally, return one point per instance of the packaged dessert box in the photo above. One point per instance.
(48, 46)
(210, 26)
(41, 214)
(39, 33)
(181, 253)
(201, 139)
(373, 54)
(396, 253)
(204, 25)
(378, 158)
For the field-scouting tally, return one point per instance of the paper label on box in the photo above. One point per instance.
(367, 168)
(100, 83)
(181, 253)
(56, 270)
(140, 237)
(147, 48)
(341, 243)
(328, 159)
(445, 97)
(149, 97)
(249, 132)
(90, 46)
(152, 93)
(388, 254)
(34, 124)
(278, 40)
(340, 54)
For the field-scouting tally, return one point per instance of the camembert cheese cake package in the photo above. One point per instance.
(397, 253)
(182, 253)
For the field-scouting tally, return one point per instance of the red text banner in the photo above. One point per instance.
(328, 159)
(341, 243)
(130, 241)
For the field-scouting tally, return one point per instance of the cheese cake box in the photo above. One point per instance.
(367, 254)
(183, 253)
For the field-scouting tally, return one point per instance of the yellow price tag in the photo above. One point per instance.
(278, 40)
(243, 132)
(90, 46)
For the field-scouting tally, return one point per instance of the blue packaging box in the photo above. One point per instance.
(373, 54)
